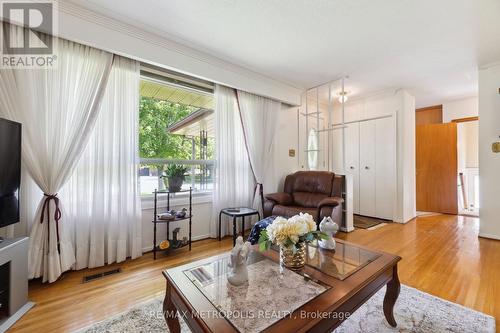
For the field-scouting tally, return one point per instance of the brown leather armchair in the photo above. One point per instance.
(318, 193)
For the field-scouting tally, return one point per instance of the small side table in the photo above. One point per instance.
(242, 212)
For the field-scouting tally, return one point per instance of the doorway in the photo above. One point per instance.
(468, 165)
(447, 162)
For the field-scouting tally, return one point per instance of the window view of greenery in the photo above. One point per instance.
(159, 148)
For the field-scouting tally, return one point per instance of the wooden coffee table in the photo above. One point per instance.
(319, 298)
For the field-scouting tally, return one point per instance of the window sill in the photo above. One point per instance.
(179, 200)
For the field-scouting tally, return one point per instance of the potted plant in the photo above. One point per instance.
(292, 236)
(174, 177)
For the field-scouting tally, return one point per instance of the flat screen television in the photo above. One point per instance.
(10, 171)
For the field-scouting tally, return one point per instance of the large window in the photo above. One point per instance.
(175, 127)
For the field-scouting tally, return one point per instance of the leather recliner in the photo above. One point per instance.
(318, 193)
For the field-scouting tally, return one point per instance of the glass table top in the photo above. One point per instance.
(271, 294)
(340, 263)
(267, 297)
(239, 211)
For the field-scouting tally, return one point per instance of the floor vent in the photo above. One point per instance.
(100, 275)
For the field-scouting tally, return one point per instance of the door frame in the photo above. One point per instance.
(465, 120)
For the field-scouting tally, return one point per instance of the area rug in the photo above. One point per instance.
(415, 311)
(364, 222)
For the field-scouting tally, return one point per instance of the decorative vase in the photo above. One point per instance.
(294, 261)
(175, 183)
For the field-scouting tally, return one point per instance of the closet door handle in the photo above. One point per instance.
(367, 167)
(352, 168)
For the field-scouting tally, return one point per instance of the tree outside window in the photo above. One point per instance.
(155, 142)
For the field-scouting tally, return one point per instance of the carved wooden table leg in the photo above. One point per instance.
(391, 295)
(170, 312)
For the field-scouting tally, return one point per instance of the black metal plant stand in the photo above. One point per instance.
(156, 220)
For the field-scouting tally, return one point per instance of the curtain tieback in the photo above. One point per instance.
(57, 215)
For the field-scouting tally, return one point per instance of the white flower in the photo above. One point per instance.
(283, 231)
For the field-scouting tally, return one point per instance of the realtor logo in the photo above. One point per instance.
(27, 33)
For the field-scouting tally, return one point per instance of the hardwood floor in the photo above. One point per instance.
(442, 255)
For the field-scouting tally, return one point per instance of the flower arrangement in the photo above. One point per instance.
(290, 233)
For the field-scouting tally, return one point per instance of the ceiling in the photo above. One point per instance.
(192, 125)
(432, 48)
(176, 94)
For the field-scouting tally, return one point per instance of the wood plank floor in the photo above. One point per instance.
(442, 255)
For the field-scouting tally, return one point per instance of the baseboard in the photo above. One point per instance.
(489, 236)
(4, 326)
(401, 221)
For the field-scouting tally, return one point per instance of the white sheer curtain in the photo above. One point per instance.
(58, 109)
(233, 177)
(259, 118)
(104, 206)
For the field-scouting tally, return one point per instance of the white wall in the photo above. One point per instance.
(407, 205)
(489, 162)
(462, 108)
(285, 139)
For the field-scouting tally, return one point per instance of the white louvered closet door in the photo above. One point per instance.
(367, 174)
(351, 134)
(385, 167)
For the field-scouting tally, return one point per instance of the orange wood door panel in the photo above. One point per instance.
(436, 149)
(429, 115)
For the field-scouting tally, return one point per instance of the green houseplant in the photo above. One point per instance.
(174, 177)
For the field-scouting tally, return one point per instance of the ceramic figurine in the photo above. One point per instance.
(330, 228)
(182, 213)
(239, 254)
(166, 216)
(176, 242)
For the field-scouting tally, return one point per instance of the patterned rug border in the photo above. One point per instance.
(161, 297)
(119, 314)
(449, 302)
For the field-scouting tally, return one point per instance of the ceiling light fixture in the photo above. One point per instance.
(343, 97)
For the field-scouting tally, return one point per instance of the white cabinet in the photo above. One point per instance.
(370, 149)
(385, 168)
(367, 174)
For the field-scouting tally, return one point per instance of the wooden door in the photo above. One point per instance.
(367, 173)
(436, 158)
(351, 133)
(429, 115)
(385, 167)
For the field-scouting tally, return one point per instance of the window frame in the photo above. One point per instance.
(189, 83)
